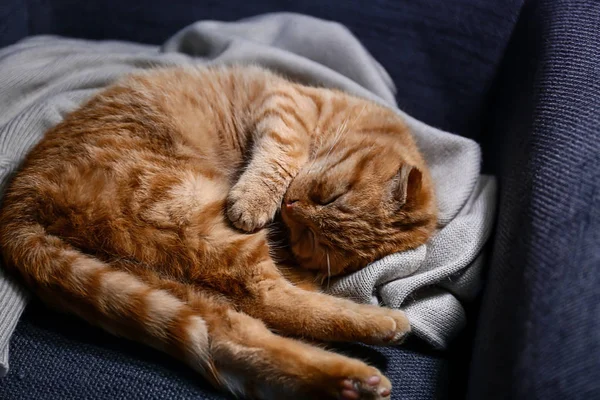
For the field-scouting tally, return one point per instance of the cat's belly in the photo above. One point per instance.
(151, 213)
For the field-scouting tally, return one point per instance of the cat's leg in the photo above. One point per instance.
(298, 312)
(281, 146)
(260, 289)
(251, 361)
(238, 353)
(232, 350)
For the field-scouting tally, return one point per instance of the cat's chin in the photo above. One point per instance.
(321, 262)
(304, 242)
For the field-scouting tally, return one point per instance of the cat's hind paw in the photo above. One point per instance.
(375, 387)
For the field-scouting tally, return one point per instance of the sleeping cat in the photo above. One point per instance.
(142, 212)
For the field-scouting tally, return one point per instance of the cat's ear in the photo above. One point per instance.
(406, 184)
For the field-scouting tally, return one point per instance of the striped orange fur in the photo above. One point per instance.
(142, 212)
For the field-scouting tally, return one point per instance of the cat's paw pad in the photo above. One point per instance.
(373, 387)
(249, 211)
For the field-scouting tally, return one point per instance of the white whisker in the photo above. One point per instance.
(314, 156)
(328, 270)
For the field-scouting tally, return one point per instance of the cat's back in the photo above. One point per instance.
(175, 112)
(167, 120)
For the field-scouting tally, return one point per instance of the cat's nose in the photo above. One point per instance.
(289, 203)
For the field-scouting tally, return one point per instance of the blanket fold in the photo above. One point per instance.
(43, 78)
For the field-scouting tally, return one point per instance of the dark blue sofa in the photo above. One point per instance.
(522, 79)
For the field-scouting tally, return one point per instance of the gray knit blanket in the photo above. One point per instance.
(44, 78)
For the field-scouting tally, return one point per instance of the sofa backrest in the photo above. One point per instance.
(442, 54)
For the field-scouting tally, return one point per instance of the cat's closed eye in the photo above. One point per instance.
(324, 198)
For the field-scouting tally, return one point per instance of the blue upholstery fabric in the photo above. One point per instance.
(13, 21)
(539, 333)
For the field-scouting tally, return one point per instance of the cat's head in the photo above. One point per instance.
(359, 198)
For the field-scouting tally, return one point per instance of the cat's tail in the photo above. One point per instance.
(143, 308)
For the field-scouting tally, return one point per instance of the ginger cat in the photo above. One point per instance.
(142, 212)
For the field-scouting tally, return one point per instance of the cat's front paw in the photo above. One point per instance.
(401, 328)
(250, 209)
(385, 326)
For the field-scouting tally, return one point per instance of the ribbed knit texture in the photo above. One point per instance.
(42, 79)
(12, 302)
